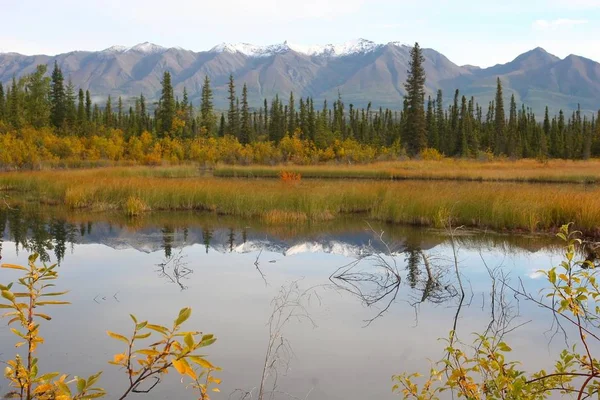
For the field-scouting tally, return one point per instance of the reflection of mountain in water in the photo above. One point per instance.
(43, 233)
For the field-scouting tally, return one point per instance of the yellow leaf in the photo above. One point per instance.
(13, 266)
(216, 390)
(180, 366)
(202, 362)
(117, 336)
(118, 358)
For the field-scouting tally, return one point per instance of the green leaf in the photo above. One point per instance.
(80, 385)
(54, 294)
(48, 377)
(117, 336)
(189, 340)
(133, 318)
(504, 347)
(143, 336)
(46, 317)
(141, 325)
(93, 379)
(207, 342)
(64, 388)
(184, 314)
(158, 328)
(8, 295)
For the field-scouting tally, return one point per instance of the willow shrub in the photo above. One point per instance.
(170, 348)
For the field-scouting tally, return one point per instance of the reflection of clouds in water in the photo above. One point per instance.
(229, 298)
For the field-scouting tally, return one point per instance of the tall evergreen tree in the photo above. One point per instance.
(2, 103)
(120, 113)
(441, 121)
(415, 93)
(291, 114)
(108, 113)
(232, 114)
(166, 110)
(88, 106)
(245, 128)
(57, 97)
(80, 108)
(207, 115)
(70, 108)
(37, 89)
(500, 121)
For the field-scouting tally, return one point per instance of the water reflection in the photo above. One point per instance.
(233, 269)
(53, 232)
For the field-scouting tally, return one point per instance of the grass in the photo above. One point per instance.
(487, 205)
(530, 171)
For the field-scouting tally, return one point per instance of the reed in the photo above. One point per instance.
(493, 205)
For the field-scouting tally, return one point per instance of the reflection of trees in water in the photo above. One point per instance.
(231, 239)
(207, 235)
(35, 234)
(376, 278)
(168, 236)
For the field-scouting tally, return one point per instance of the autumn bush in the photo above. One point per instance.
(149, 353)
(487, 368)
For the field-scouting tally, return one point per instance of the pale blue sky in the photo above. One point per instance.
(467, 31)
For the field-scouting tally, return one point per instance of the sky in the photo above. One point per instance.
(476, 32)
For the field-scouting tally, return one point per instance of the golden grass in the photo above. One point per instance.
(495, 205)
(553, 171)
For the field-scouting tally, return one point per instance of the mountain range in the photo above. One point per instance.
(361, 71)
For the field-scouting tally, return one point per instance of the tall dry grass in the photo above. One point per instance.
(495, 205)
(553, 171)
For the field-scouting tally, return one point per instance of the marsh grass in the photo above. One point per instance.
(528, 171)
(494, 205)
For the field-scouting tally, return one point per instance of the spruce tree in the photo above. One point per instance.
(2, 103)
(70, 108)
(441, 121)
(232, 114)
(166, 110)
(58, 97)
(291, 114)
(108, 113)
(80, 108)
(222, 126)
(500, 121)
(207, 115)
(415, 93)
(88, 106)
(15, 106)
(120, 113)
(37, 90)
(246, 127)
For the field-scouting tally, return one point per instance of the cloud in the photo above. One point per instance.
(544, 24)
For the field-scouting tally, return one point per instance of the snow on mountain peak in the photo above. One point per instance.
(358, 46)
(115, 49)
(147, 48)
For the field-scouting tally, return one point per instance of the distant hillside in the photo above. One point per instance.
(361, 71)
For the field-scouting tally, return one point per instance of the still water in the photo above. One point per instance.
(360, 323)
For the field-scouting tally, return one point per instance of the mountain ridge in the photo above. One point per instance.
(361, 70)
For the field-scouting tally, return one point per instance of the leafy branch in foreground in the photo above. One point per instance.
(482, 369)
(174, 349)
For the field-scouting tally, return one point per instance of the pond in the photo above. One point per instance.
(371, 300)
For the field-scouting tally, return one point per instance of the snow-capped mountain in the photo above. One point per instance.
(358, 46)
(362, 71)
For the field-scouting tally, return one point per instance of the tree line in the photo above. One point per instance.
(457, 128)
